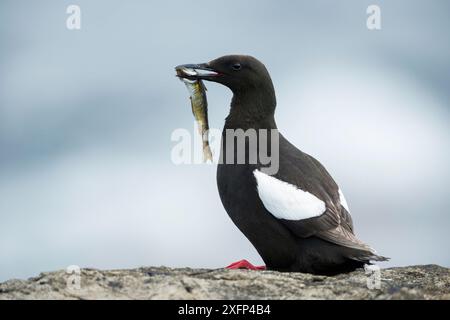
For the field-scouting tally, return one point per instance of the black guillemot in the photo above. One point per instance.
(297, 217)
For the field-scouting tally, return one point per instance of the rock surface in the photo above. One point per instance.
(415, 282)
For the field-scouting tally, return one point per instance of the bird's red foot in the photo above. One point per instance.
(244, 264)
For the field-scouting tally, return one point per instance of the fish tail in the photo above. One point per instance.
(207, 154)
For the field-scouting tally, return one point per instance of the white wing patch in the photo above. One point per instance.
(343, 201)
(286, 201)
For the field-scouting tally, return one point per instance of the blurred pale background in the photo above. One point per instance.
(86, 116)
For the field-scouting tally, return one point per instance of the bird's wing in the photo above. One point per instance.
(305, 214)
(346, 219)
(306, 199)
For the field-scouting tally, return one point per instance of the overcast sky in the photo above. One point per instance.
(86, 117)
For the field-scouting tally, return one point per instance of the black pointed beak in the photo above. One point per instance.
(196, 71)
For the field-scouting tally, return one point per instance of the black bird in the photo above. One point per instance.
(296, 218)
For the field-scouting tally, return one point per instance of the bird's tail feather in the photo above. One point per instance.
(366, 256)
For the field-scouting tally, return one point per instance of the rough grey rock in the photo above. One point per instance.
(415, 282)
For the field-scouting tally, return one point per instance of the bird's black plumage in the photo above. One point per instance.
(323, 244)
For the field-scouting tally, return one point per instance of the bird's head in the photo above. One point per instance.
(237, 72)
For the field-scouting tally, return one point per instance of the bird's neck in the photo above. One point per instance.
(252, 108)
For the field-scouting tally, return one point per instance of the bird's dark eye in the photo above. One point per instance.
(236, 66)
